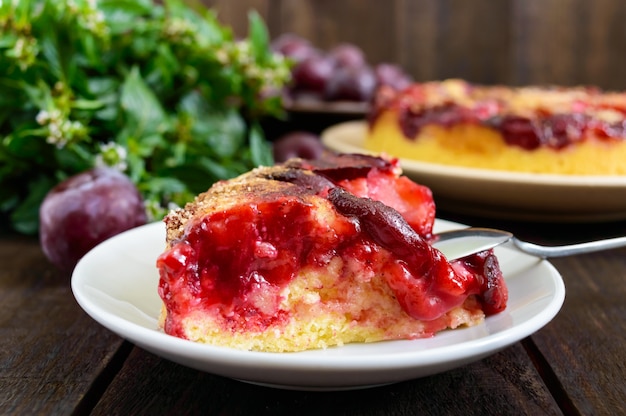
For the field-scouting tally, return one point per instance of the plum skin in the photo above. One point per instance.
(351, 84)
(300, 144)
(85, 210)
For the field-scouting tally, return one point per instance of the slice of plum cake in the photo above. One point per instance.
(313, 254)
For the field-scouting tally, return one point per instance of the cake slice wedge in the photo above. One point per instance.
(314, 254)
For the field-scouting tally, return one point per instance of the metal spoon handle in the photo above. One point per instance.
(569, 250)
(459, 243)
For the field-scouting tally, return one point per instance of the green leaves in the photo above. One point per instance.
(165, 93)
(143, 111)
(259, 148)
(259, 38)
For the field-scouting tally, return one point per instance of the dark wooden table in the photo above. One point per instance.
(54, 359)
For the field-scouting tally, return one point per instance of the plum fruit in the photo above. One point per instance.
(294, 47)
(297, 144)
(351, 84)
(85, 210)
(392, 75)
(312, 73)
(347, 55)
(339, 74)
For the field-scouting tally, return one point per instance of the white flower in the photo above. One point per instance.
(42, 117)
(112, 155)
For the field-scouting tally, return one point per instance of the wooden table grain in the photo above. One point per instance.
(54, 359)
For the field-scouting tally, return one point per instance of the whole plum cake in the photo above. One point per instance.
(558, 130)
(312, 254)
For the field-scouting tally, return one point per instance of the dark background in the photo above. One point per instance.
(516, 42)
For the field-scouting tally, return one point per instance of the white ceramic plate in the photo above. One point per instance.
(116, 284)
(524, 196)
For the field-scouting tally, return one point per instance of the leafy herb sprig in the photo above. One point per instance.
(165, 93)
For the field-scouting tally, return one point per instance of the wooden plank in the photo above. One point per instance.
(50, 350)
(235, 13)
(604, 64)
(592, 364)
(565, 42)
(418, 52)
(298, 17)
(569, 42)
(505, 383)
(457, 39)
(327, 23)
(546, 41)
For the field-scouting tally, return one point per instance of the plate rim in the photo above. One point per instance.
(319, 361)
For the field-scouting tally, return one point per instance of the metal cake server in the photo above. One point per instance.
(455, 244)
